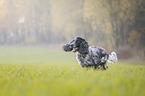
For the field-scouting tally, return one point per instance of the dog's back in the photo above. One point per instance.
(97, 52)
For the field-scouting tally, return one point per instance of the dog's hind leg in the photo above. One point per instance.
(105, 66)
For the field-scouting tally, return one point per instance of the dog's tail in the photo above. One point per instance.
(112, 58)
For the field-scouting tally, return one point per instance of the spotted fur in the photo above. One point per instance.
(87, 56)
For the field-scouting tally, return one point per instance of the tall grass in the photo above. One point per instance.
(27, 71)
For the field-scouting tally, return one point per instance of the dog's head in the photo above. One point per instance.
(77, 44)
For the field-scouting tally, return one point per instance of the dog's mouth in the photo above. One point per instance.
(75, 49)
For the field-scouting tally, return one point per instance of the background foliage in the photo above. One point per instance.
(112, 24)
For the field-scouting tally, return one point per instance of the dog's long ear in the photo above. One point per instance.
(83, 48)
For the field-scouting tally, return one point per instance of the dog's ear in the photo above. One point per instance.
(83, 48)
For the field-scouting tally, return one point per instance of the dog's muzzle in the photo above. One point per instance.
(67, 48)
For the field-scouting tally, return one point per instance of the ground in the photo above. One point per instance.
(27, 71)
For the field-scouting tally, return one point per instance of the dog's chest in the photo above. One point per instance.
(83, 57)
(84, 60)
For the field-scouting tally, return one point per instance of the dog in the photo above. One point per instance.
(87, 57)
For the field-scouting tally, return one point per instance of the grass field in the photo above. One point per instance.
(26, 71)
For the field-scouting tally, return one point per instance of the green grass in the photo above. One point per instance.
(26, 71)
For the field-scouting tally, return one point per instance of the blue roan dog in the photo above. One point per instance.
(90, 56)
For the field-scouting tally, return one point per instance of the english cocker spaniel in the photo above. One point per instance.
(90, 56)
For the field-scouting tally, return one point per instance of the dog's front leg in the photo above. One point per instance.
(96, 67)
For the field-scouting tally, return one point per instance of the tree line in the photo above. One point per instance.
(108, 23)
